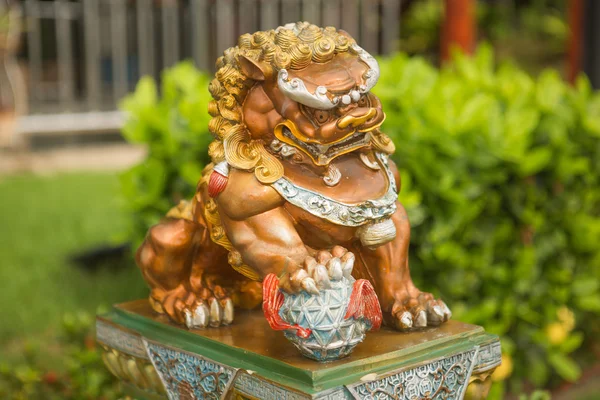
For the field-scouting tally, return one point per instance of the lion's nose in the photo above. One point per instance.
(356, 118)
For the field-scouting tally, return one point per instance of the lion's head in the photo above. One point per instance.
(299, 84)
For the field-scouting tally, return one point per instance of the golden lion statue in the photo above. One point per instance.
(300, 186)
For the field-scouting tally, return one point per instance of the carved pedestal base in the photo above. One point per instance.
(156, 359)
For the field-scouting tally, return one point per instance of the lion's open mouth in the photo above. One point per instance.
(322, 154)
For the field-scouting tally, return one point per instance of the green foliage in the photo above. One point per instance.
(537, 395)
(534, 33)
(501, 178)
(421, 26)
(175, 129)
(82, 375)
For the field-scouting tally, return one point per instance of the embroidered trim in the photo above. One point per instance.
(337, 212)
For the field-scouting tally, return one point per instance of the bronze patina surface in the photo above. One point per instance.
(300, 177)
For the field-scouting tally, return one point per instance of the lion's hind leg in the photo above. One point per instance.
(165, 259)
(189, 275)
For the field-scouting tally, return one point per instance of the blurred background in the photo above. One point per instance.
(492, 105)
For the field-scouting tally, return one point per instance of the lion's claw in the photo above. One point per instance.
(406, 320)
(420, 319)
(428, 312)
(197, 313)
(334, 266)
(310, 286)
(318, 273)
(322, 277)
(300, 280)
(347, 264)
(435, 314)
(196, 317)
(227, 312)
(216, 313)
(446, 310)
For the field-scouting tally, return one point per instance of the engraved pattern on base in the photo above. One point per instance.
(257, 388)
(335, 394)
(488, 357)
(136, 371)
(442, 379)
(121, 340)
(189, 376)
(337, 212)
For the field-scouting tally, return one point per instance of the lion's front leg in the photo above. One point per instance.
(404, 306)
(269, 243)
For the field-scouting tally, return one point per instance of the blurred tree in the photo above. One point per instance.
(591, 53)
(458, 27)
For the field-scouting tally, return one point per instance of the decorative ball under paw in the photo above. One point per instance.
(333, 336)
(325, 326)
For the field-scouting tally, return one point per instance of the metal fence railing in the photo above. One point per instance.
(80, 57)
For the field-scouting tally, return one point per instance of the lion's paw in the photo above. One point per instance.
(198, 313)
(418, 312)
(318, 272)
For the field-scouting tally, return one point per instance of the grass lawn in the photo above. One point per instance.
(43, 221)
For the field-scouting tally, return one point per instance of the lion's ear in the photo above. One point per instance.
(257, 70)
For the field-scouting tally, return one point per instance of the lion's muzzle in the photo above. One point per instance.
(354, 120)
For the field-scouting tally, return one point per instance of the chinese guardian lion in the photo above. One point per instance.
(300, 186)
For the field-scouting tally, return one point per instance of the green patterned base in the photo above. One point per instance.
(156, 359)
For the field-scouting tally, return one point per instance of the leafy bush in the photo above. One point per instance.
(421, 26)
(175, 129)
(81, 374)
(501, 179)
(535, 33)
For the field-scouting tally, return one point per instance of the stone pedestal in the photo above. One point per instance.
(156, 359)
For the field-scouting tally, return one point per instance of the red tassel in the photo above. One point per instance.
(364, 304)
(216, 184)
(272, 302)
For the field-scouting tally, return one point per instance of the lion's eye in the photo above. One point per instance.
(321, 116)
(363, 101)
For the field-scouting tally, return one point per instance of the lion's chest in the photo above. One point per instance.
(318, 232)
(332, 214)
(357, 182)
